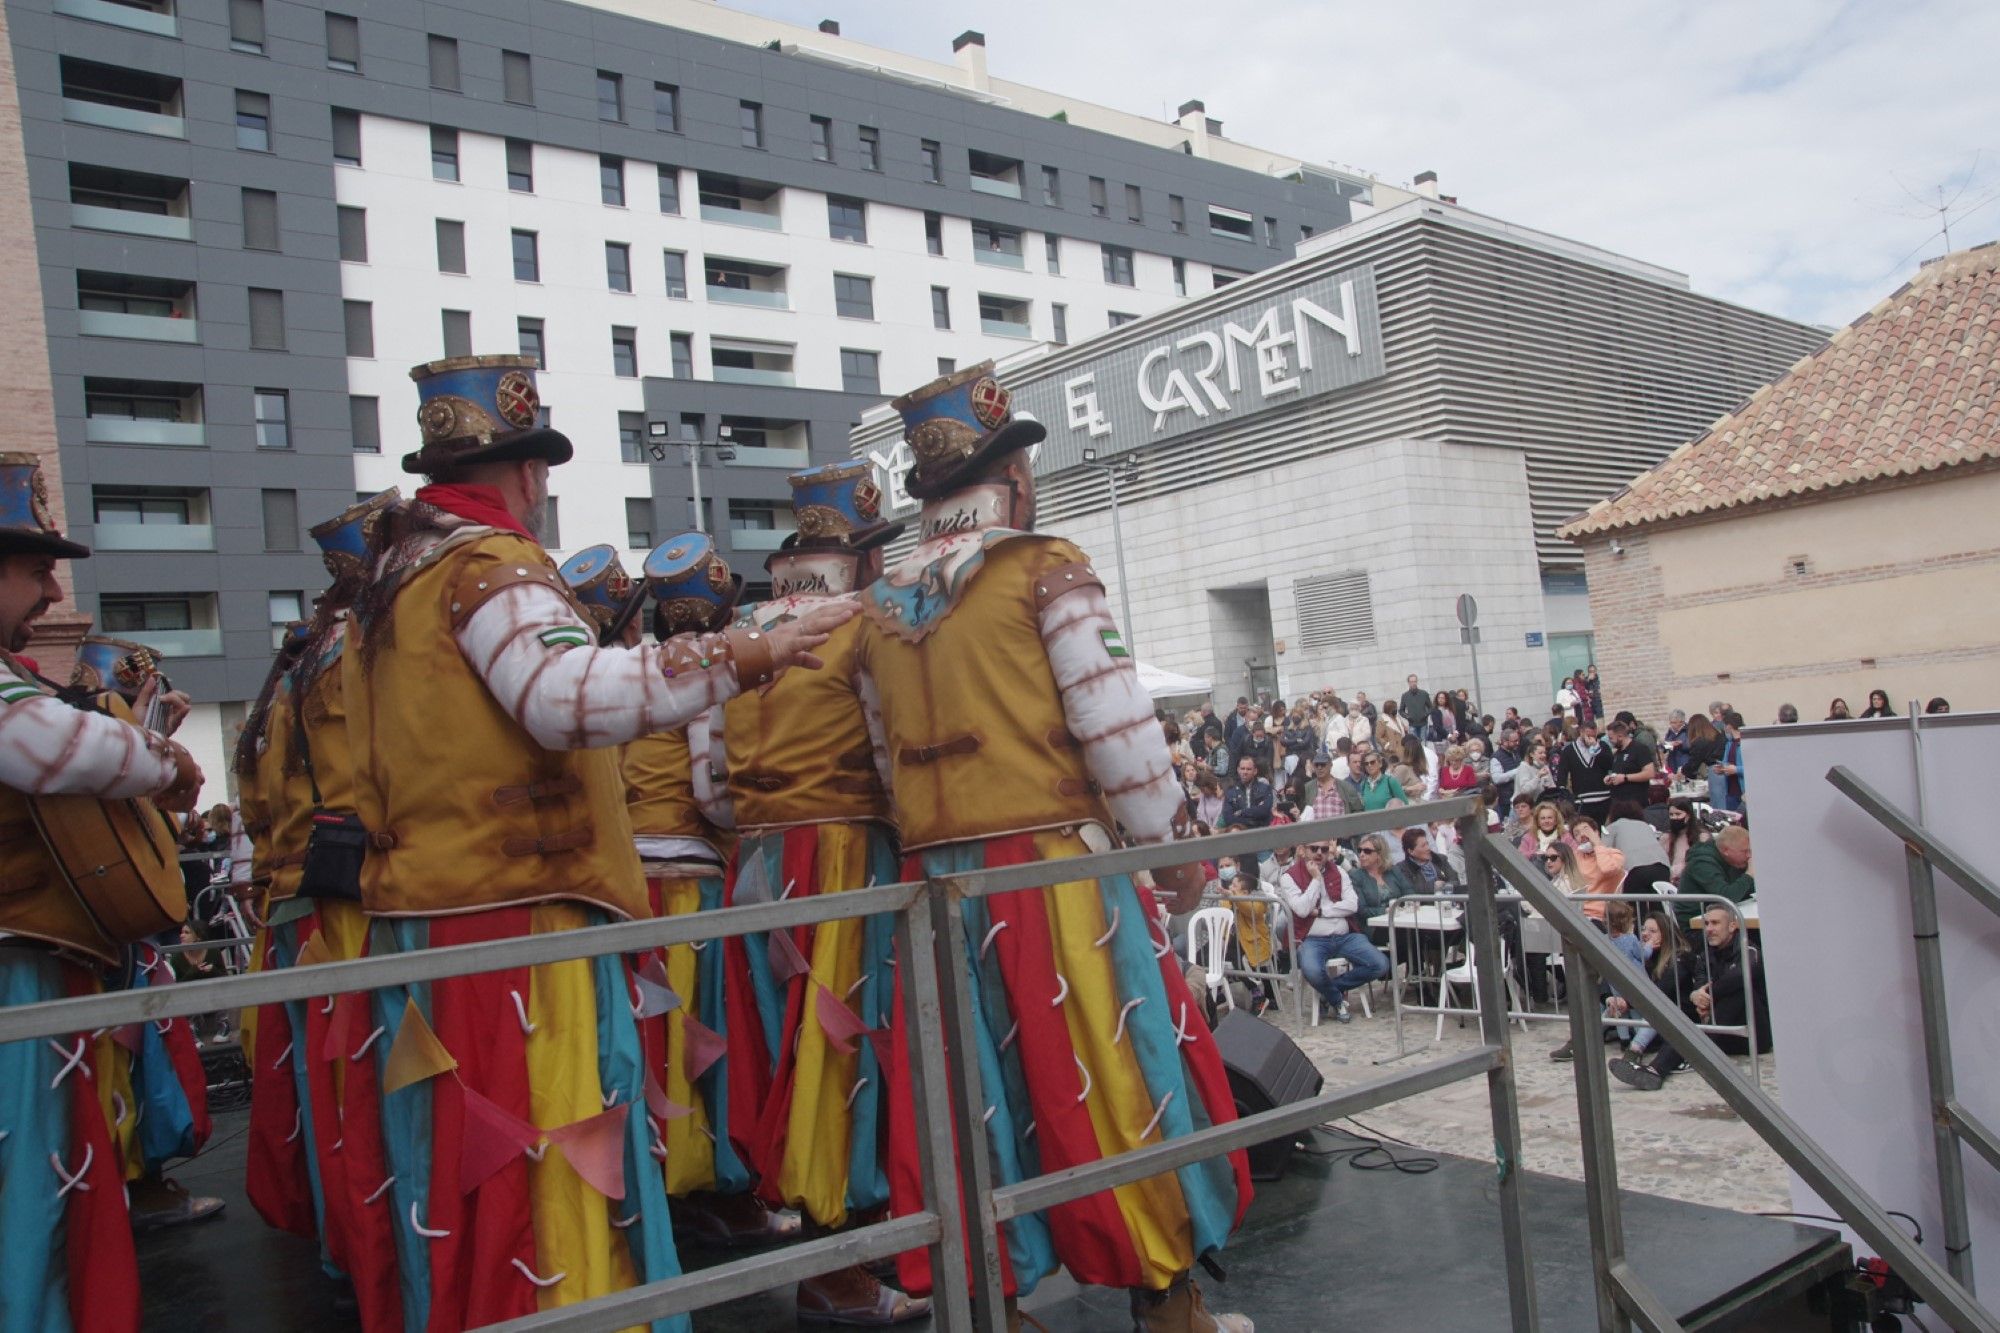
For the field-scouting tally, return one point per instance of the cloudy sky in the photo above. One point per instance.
(1781, 152)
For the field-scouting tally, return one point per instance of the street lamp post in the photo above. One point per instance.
(1121, 469)
(725, 449)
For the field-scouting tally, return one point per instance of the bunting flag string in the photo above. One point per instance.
(416, 1054)
(836, 1020)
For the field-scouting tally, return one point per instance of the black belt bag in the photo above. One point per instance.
(334, 849)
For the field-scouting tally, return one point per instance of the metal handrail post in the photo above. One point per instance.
(930, 1094)
(1938, 1067)
(1593, 1115)
(1489, 977)
(967, 1105)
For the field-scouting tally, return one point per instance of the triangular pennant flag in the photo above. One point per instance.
(596, 1149)
(654, 998)
(836, 1020)
(654, 969)
(338, 1024)
(884, 1043)
(753, 882)
(786, 960)
(416, 1054)
(131, 1036)
(493, 1136)
(702, 1047)
(662, 1106)
(316, 950)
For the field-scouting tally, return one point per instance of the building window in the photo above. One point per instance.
(1222, 277)
(682, 346)
(941, 307)
(1004, 316)
(749, 516)
(1177, 213)
(853, 296)
(947, 365)
(457, 325)
(281, 520)
(618, 266)
(143, 507)
(443, 53)
(1135, 207)
(1098, 204)
(1052, 251)
(610, 95)
(932, 157)
(138, 615)
(667, 108)
(527, 257)
(611, 180)
(346, 138)
(750, 120)
(638, 519)
(246, 26)
(444, 153)
(870, 139)
(551, 534)
(267, 319)
(624, 352)
(1119, 318)
(273, 409)
(253, 121)
(1180, 277)
(450, 246)
(677, 273)
(283, 609)
(670, 190)
(532, 343)
(1230, 225)
(822, 139)
(517, 78)
(1052, 187)
(1061, 314)
(860, 372)
(364, 423)
(352, 224)
(994, 244)
(520, 166)
(1118, 265)
(846, 219)
(632, 437)
(260, 220)
(357, 320)
(343, 43)
(934, 233)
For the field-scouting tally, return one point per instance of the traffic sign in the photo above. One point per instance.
(1468, 610)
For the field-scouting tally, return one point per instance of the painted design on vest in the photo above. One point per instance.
(914, 596)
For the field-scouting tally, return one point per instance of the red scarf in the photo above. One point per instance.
(478, 504)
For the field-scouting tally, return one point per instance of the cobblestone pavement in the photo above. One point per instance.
(1682, 1141)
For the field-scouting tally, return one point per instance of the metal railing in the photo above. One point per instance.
(931, 949)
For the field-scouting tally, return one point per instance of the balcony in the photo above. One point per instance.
(1004, 316)
(787, 460)
(999, 259)
(100, 217)
(140, 18)
(740, 282)
(176, 643)
(147, 328)
(736, 215)
(1000, 176)
(122, 99)
(757, 539)
(1005, 328)
(152, 537)
(998, 246)
(124, 118)
(750, 296)
(741, 203)
(747, 361)
(121, 430)
(778, 379)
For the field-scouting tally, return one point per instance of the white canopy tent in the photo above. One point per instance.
(1163, 684)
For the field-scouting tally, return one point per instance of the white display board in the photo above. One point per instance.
(1832, 889)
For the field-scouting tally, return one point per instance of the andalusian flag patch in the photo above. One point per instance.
(1114, 644)
(13, 691)
(565, 636)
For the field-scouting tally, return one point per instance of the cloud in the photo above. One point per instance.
(1770, 150)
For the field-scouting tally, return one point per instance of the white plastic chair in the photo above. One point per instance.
(1208, 934)
(1337, 967)
(1464, 975)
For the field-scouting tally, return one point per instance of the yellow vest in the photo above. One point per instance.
(465, 809)
(798, 753)
(658, 771)
(978, 746)
(289, 794)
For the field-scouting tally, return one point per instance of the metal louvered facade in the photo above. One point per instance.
(1335, 610)
(1593, 366)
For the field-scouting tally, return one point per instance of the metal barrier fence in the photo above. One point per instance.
(931, 949)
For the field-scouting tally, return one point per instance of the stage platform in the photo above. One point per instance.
(1328, 1247)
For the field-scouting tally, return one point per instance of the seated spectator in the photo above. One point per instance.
(1379, 791)
(1546, 830)
(1250, 803)
(1558, 862)
(1601, 866)
(1669, 966)
(1323, 905)
(1331, 798)
(1684, 833)
(1421, 873)
(1720, 867)
(1640, 843)
(1837, 711)
(1618, 923)
(1370, 878)
(1722, 997)
(1253, 945)
(1787, 714)
(1205, 801)
(1520, 821)
(1938, 704)
(1344, 751)
(1414, 773)
(1878, 704)
(1457, 775)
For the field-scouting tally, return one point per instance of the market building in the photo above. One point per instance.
(1832, 536)
(1313, 465)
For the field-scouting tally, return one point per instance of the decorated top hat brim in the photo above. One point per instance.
(724, 612)
(20, 541)
(928, 482)
(851, 543)
(536, 442)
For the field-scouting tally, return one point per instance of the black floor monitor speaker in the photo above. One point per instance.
(1266, 1070)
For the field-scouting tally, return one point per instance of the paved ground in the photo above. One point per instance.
(1682, 1141)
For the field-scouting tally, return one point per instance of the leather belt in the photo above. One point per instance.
(537, 792)
(855, 761)
(930, 754)
(1079, 787)
(551, 844)
(285, 862)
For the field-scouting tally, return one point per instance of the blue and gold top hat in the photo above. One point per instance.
(118, 665)
(955, 424)
(351, 540)
(597, 578)
(480, 409)
(839, 507)
(690, 584)
(26, 525)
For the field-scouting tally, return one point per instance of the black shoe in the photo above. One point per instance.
(1643, 1077)
(1611, 1037)
(1563, 1054)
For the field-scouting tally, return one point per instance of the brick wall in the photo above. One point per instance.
(1626, 595)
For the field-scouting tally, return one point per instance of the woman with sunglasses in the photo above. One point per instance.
(1379, 791)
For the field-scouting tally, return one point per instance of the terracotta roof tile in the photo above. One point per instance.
(1909, 387)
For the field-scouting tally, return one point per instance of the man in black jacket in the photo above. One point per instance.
(1722, 997)
(1249, 803)
(1415, 705)
(1581, 766)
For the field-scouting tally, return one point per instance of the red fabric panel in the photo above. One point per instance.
(473, 1279)
(371, 1227)
(652, 1031)
(179, 1040)
(276, 1178)
(799, 865)
(97, 1230)
(1203, 1060)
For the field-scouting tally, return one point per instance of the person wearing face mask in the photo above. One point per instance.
(1582, 767)
(1684, 834)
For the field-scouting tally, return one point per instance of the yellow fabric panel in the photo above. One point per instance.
(573, 1231)
(819, 1130)
(1119, 1105)
(346, 932)
(287, 790)
(112, 1066)
(690, 1150)
(246, 1019)
(799, 752)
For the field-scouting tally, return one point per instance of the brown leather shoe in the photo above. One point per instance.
(733, 1220)
(854, 1298)
(1180, 1309)
(156, 1202)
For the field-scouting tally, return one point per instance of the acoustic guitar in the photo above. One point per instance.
(120, 857)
